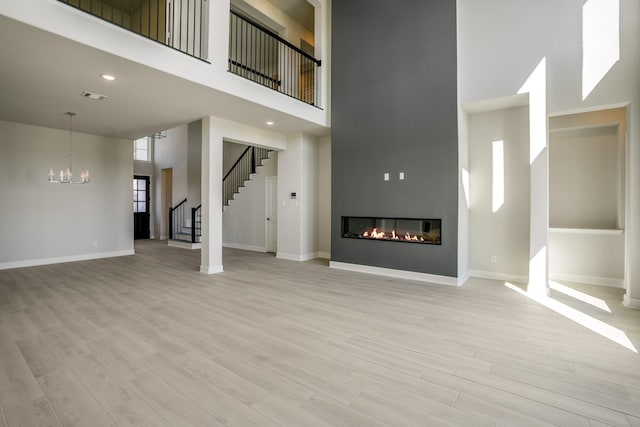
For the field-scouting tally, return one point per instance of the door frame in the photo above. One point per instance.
(148, 178)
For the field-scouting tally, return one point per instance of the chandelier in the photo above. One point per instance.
(66, 176)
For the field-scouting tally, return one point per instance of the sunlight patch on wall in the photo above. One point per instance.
(600, 41)
(465, 184)
(497, 183)
(538, 265)
(599, 327)
(536, 87)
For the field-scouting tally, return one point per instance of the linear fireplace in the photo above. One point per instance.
(407, 230)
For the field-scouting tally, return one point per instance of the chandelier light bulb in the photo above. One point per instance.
(66, 176)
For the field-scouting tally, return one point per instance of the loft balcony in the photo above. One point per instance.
(260, 55)
(178, 24)
(256, 52)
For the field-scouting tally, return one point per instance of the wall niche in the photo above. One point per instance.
(586, 170)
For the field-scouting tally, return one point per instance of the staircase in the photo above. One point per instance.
(183, 233)
(241, 172)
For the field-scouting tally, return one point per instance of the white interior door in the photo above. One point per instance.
(271, 214)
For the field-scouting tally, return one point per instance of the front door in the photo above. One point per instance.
(141, 217)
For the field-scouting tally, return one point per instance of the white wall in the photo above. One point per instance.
(243, 221)
(324, 197)
(308, 196)
(170, 152)
(43, 223)
(504, 233)
(587, 256)
(502, 41)
(298, 218)
(194, 165)
(584, 178)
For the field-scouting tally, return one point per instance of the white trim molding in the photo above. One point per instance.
(589, 280)
(324, 255)
(211, 269)
(183, 245)
(629, 302)
(398, 274)
(296, 257)
(502, 277)
(58, 260)
(244, 247)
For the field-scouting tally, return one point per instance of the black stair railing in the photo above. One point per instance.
(260, 55)
(179, 24)
(196, 224)
(179, 229)
(176, 219)
(241, 171)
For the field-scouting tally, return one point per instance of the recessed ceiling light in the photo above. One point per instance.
(108, 77)
(269, 123)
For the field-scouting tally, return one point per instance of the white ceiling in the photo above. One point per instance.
(42, 76)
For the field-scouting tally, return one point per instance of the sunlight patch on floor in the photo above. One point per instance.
(581, 296)
(601, 328)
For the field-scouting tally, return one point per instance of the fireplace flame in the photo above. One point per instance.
(378, 234)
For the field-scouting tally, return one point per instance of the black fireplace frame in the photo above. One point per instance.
(434, 223)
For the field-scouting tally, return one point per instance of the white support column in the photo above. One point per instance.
(211, 255)
(298, 215)
(632, 220)
(536, 87)
(219, 34)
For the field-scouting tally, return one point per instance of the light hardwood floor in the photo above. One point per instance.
(146, 340)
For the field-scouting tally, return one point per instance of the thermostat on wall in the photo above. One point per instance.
(293, 196)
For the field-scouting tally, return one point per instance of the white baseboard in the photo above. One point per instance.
(244, 247)
(324, 255)
(163, 237)
(213, 269)
(296, 257)
(589, 280)
(184, 245)
(498, 276)
(58, 260)
(462, 279)
(629, 302)
(398, 274)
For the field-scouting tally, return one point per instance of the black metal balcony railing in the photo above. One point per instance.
(179, 24)
(260, 55)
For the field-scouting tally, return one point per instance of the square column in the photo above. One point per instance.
(536, 87)
(211, 254)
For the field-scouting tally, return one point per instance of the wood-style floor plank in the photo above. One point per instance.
(71, 401)
(147, 340)
(37, 413)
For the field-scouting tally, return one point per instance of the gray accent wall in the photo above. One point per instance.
(394, 84)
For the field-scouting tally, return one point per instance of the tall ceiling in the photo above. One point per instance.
(42, 76)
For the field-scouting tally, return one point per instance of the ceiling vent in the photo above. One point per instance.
(95, 96)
